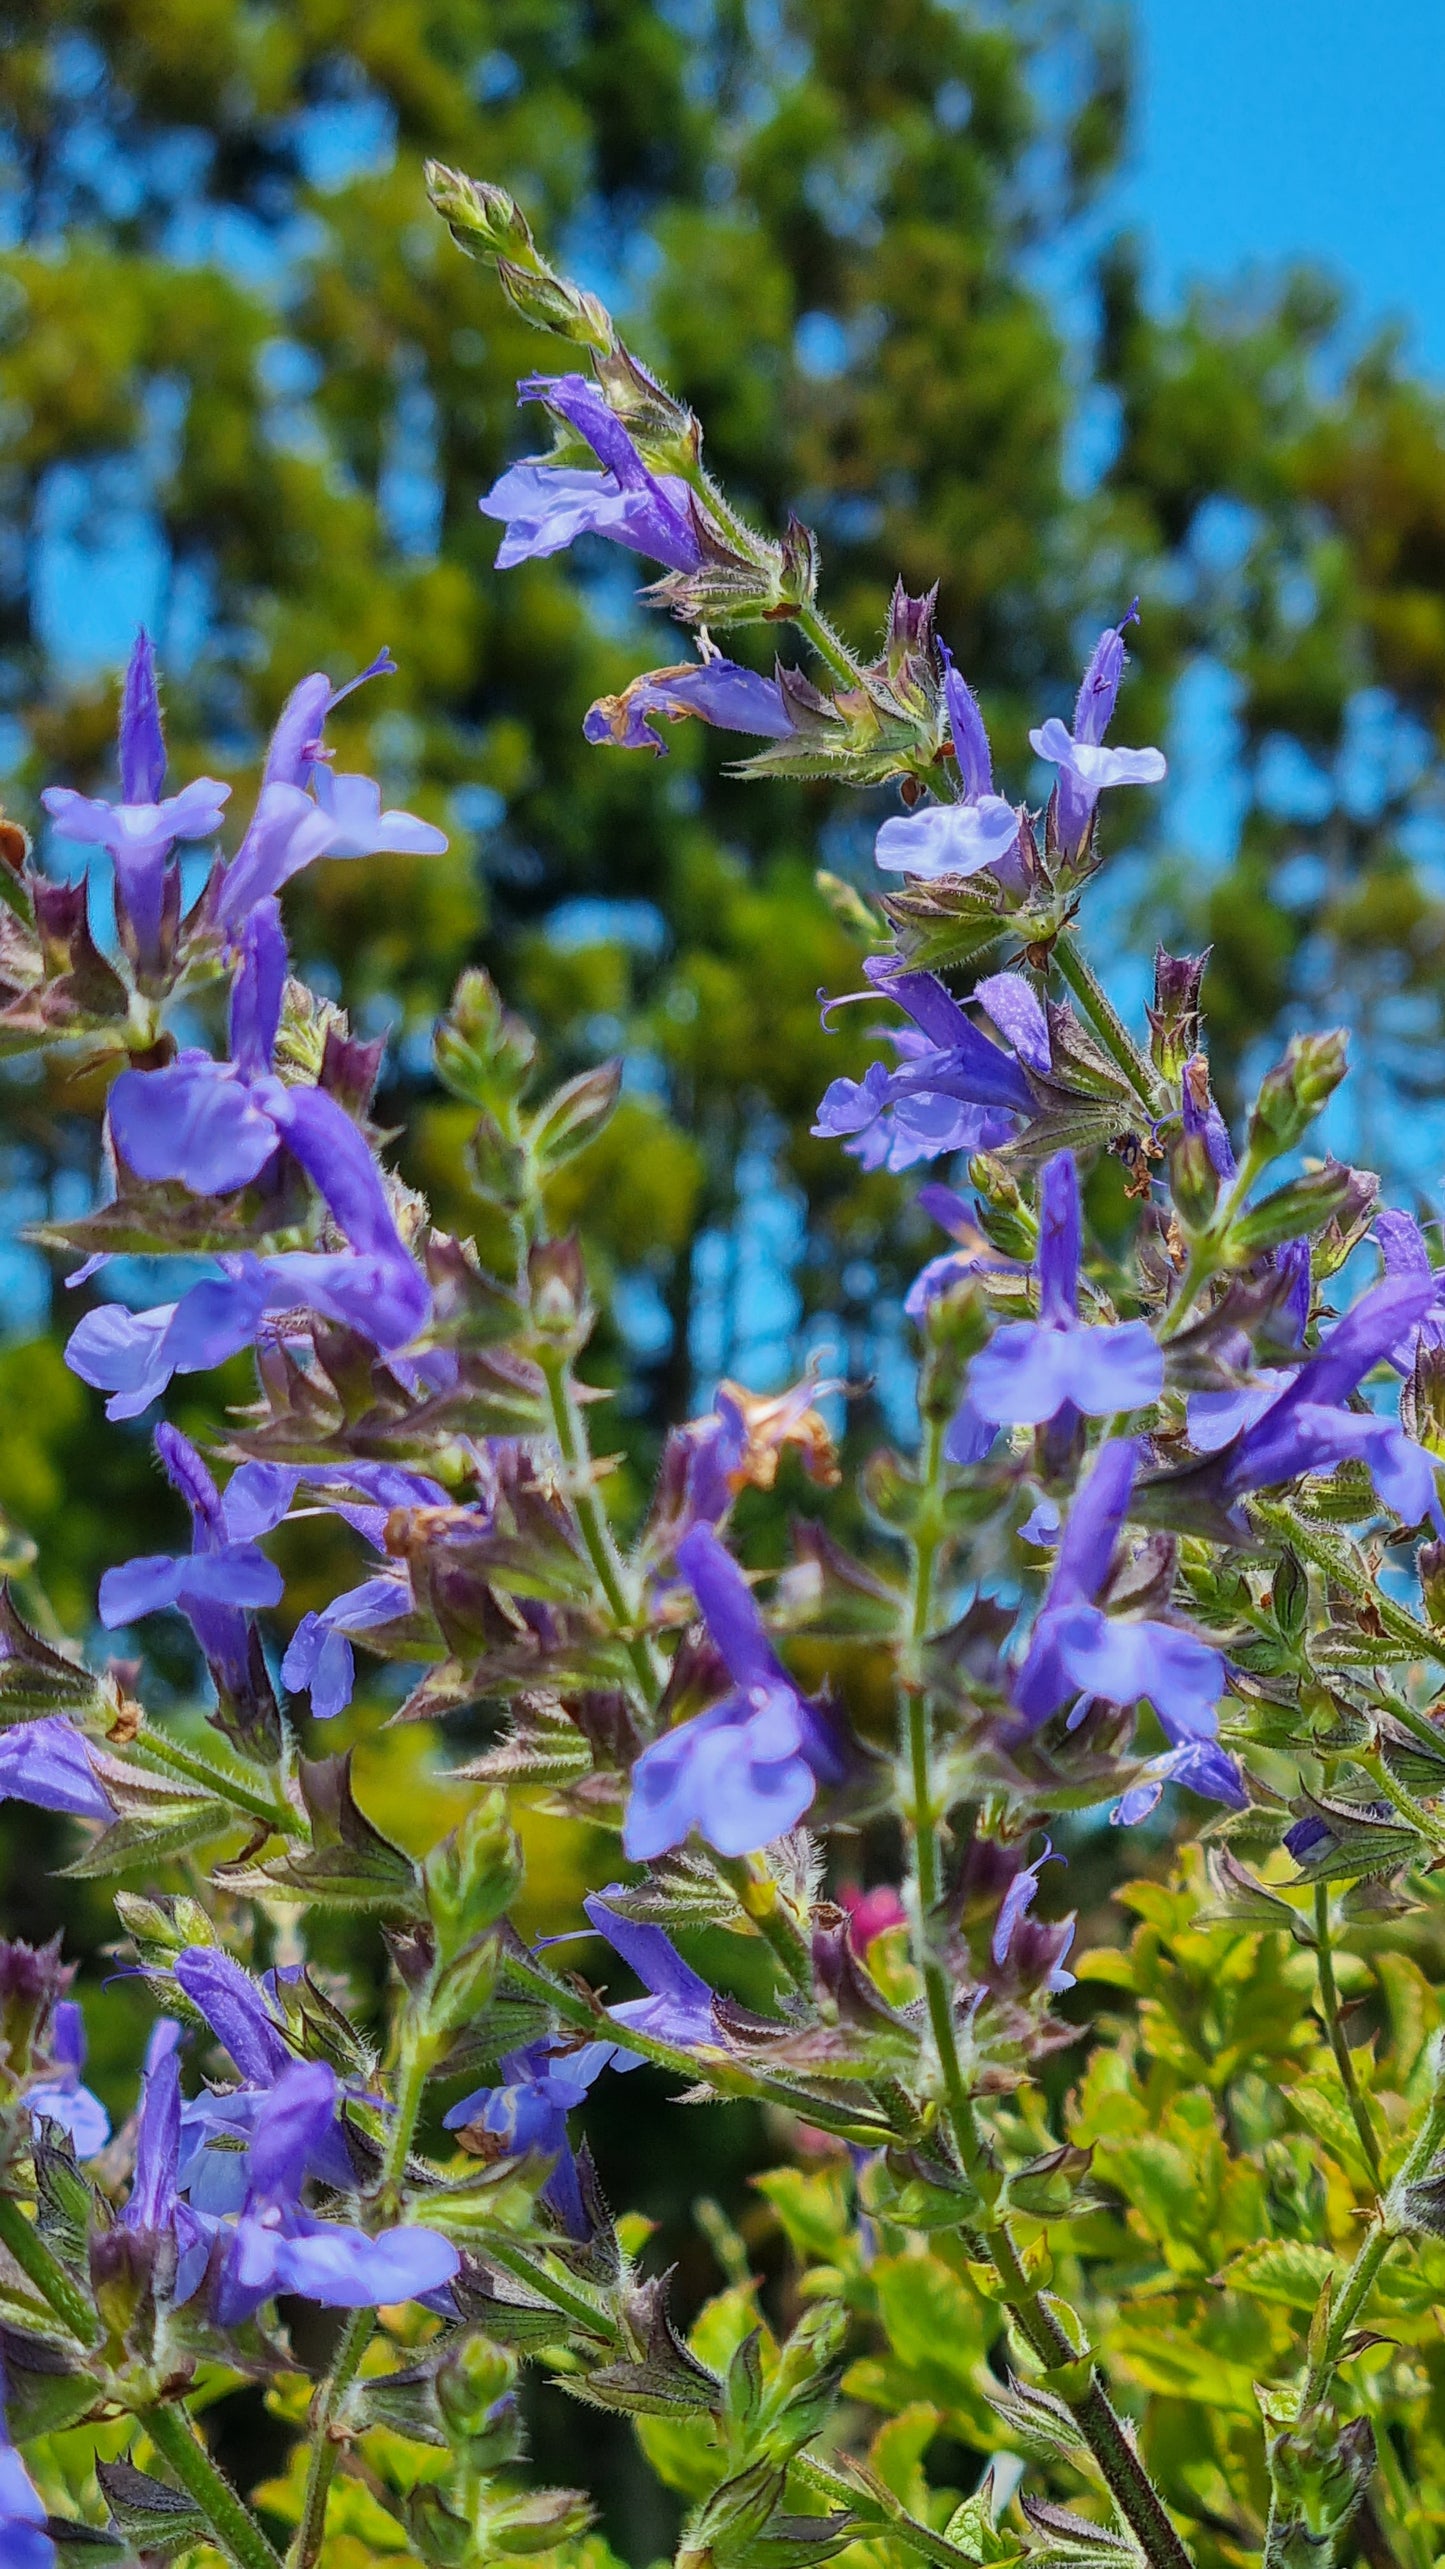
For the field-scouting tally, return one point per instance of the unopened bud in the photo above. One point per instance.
(472, 1875)
(1004, 1217)
(1291, 1095)
(1174, 1019)
(483, 1053)
(1293, 1212)
(475, 2391)
(1193, 1181)
(1430, 1562)
(551, 303)
(561, 1307)
(955, 1325)
(483, 220)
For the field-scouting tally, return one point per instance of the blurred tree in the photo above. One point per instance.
(252, 394)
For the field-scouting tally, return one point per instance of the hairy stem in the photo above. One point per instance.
(54, 2283)
(1340, 1560)
(1395, 2220)
(1107, 1023)
(761, 1900)
(571, 1433)
(232, 2525)
(1073, 2375)
(1344, 2059)
(729, 2078)
(326, 2409)
(816, 629)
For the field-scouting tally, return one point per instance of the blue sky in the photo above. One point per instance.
(1267, 128)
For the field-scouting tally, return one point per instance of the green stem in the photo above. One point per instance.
(1344, 2058)
(602, 1551)
(761, 1900)
(1431, 1829)
(1395, 2219)
(1340, 1562)
(893, 2522)
(729, 2078)
(234, 2527)
(54, 2283)
(326, 2409)
(1073, 2375)
(1204, 1257)
(816, 629)
(1107, 1023)
(501, 2249)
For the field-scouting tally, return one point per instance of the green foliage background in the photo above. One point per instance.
(233, 340)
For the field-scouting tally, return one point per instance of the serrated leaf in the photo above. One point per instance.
(1291, 2271)
(157, 2518)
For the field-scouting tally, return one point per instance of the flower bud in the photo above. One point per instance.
(472, 1875)
(483, 1053)
(1291, 1095)
(1430, 1563)
(32, 1979)
(483, 220)
(1005, 1218)
(1293, 1212)
(955, 1325)
(1174, 1019)
(561, 1308)
(1193, 1181)
(476, 2395)
(551, 303)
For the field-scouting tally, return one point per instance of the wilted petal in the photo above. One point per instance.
(719, 692)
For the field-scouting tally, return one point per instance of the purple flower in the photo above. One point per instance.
(1078, 1651)
(24, 2541)
(215, 1586)
(1305, 1429)
(215, 1127)
(545, 507)
(47, 1763)
(319, 1660)
(1200, 1764)
(1031, 1369)
(1402, 1246)
(340, 817)
(1084, 766)
(747, 1769)
(140, 830)
(62, 2098)
(954, 838)
(528, 2114)
(1200, 1116)
(715, 691)
(952, 1090)
(275, 2246)
(1012, 1925)
(236, 2012)
(678, 2007)
(972, 1254)
(133, 1354)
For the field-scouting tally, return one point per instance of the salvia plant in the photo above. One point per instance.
(1141, 2242)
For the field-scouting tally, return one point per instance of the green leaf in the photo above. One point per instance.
(1291, 2271)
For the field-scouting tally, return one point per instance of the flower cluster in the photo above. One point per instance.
(1173, 1527)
